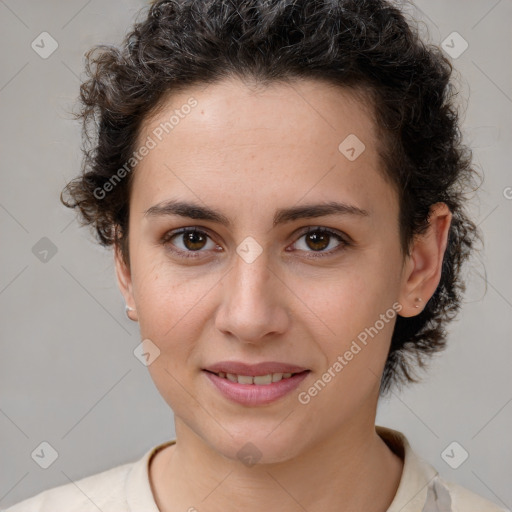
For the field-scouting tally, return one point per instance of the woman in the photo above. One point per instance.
(283, 185)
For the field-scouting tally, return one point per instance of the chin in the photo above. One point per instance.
(256, 446)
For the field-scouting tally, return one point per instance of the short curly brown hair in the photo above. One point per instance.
(365, 45)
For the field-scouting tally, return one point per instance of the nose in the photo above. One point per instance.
(252, 307)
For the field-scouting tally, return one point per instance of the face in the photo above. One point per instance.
(261, 280)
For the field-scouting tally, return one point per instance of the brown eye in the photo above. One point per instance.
(187, 241)
(318, 240)
(194, 240)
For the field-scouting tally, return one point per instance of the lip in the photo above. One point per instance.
(252, 394)
(253, 370)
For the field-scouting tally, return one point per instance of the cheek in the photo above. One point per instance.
(355, 318)
(169, 310)
(166, 307)
(349, 300)
(163, 293)
(360, 317)
(172, 316)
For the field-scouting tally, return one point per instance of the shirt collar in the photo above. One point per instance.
(420, 488)
(139, 495)
(419, 483)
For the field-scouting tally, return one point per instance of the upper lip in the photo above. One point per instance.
(253, 370)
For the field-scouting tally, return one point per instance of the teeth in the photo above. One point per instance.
(244, 379)
(263, 379)
(260, 380)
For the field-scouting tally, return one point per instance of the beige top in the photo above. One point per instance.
(127, 488)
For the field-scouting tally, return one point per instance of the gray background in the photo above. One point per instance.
(68, 374)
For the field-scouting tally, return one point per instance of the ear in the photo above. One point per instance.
(124, 281)
(422, 269)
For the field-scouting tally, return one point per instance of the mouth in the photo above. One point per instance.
(255, 390)
(256, 380)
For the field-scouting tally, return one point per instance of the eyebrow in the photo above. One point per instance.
(282, 216)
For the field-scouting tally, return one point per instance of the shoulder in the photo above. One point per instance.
(421, 487)
(464, 500)
(102, 491)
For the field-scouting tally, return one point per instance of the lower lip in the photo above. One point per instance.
(253, 394)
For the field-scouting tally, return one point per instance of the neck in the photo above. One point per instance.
(352, 469)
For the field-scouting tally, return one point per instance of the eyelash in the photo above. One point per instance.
(166, 239)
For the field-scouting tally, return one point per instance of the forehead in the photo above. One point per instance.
(287, 139)
(235, 110)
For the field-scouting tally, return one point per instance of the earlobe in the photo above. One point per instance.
(124, 282)
(424, 264)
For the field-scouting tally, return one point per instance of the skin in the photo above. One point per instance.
(247, 152)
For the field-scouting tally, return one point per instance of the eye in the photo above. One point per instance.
(318, 239)
(192, 241)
